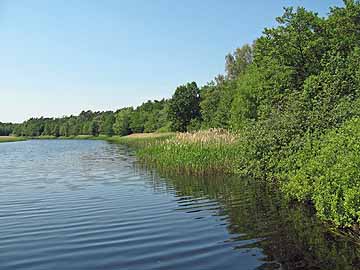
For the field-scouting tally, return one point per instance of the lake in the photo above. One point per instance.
(71, 204)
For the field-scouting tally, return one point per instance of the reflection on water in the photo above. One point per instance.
(257, 217)
(87, 205)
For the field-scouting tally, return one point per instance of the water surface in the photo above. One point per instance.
(88, 205)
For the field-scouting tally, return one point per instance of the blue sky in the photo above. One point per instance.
(59, 57)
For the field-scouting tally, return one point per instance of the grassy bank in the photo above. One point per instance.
(205, 152)
(143, 140)
(11, 139)
(138, 140)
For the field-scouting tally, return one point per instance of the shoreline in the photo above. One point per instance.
(186, 154)
(7, 139)
(133, 139)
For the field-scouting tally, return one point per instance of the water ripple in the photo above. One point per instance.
(87, 205)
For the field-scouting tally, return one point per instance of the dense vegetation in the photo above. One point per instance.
(292, 98)
(151, 116)
(6, 129)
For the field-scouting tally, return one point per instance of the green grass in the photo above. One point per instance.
(4, 139)
(135, 140)
(192, 158)
(141, 141)
(200, 153)
(45, 137)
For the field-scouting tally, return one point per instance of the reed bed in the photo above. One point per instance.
(211, 136)
(143, 140)
(214, 151)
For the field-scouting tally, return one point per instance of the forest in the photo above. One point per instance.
(292, 96)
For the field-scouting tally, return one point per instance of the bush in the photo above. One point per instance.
(326, 171)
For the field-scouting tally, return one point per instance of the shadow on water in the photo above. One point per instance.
(290, 235)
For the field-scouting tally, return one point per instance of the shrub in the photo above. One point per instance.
(326, 171)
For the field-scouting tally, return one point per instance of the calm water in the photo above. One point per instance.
(87, 205)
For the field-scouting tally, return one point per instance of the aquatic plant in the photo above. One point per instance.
(213, 151)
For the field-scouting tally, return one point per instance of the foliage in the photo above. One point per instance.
(6, 129)
(326, 172)
(122, 122)
(237, 62)
(184, 106)
(148, 117)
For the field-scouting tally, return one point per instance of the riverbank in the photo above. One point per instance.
(141, 141)
(138, 139)
(324, 172)
(211, 152)
(4, 139)
(77, 137)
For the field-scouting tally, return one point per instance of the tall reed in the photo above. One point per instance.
(214, 151)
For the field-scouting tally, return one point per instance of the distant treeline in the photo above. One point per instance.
(190, 108)
(149, 117)
(6, 129)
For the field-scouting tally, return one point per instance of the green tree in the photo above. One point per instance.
(237, 62)
(210, 98)
(106, 123)
(122, 122)
(184, 106)
(137, 121)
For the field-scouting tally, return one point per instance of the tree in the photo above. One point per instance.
(6, 129)
(137, 121)
(210, 98)
(184, 106)
(64, 130)
(298, 43)
(122, 122)
(106, 123)
(237, 62)
(94, 128)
